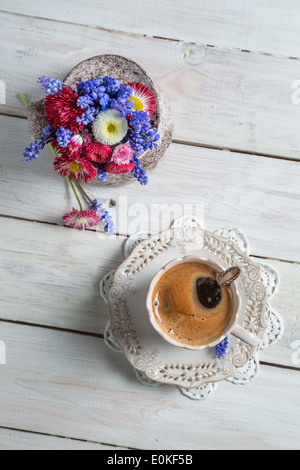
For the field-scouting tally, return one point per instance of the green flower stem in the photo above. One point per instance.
(83, 192)
(71, 184)
(53, 150)
(76, 195)
(23, 99)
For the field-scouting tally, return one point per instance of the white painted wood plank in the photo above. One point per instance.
(18, 440)
(270, 26)
(50, 275)
(233, 100)
(72, 385)
(286, 303)
(47, 280)
(258, 195)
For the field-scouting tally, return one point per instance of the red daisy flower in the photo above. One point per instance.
(143, 99)
(97, 152)
(82, 219)
(61, 109)
(76, 168)
(117, 169)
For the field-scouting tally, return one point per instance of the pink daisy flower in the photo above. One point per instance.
(76, 168)
(123, 153)
(143, 99)
(87, 137)
(82, 220)
(76, 142)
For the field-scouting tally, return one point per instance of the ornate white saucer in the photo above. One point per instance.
(196, 373)
(241, 374)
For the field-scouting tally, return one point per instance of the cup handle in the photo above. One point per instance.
(245, 335)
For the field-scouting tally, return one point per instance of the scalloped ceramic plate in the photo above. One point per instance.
(144, 348)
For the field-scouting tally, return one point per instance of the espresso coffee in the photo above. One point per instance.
(190, 306)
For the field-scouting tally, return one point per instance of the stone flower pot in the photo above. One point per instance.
(125, 70)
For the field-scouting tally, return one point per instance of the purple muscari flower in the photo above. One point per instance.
(101, 91)
(138, 171)
(104, 100)
(221, 348)
(109, 225)
(85, 101)
(88, 116)
(104, 92)
(46, 135)
(121, 101)
(140, 121)
(95, 89)
(151, 137)
(111, 84)
(89, 87)
(102, 174)
(141, 136)
(141, 141)
(135, 141)
(91, 93)
(51, 86)
(33, 150)
(63, 136)
(124, 93)
(125, 108)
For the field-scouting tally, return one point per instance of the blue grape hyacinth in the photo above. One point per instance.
(107, 220)
(221, 348)
(33, 150)
(63, 136)
(138, 171)
(51, 86)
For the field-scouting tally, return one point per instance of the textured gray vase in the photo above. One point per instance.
(126, 71)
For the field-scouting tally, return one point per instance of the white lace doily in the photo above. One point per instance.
(274, 331)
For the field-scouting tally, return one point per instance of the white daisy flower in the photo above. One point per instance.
(109, 128)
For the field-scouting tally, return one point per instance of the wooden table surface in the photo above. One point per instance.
(235, 150)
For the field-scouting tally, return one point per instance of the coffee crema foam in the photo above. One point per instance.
(178, 311)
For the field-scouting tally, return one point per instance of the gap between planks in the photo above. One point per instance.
(101, 337)
(17, 114)
(124, 236)
(56, 441)
(258, 195)
(232, 26)
(92, 393)
(245, 101)
(53, 277)
(151, 36)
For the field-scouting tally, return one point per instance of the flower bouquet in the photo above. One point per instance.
(101, 127)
